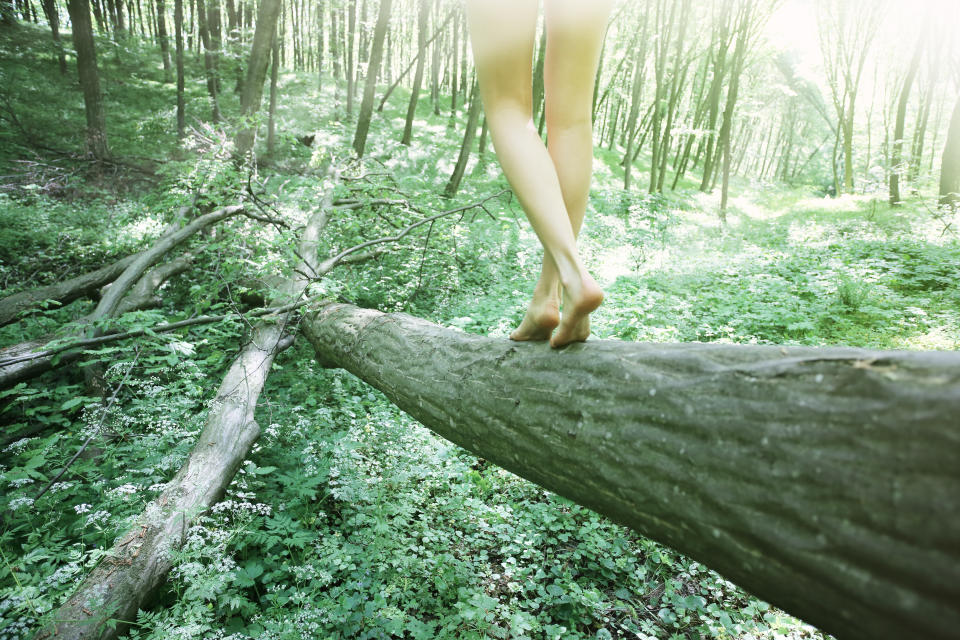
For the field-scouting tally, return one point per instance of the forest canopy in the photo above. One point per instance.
(259, 262)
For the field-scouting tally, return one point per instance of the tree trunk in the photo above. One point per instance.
(8, 13)
(454, 183)
(635, 93)
(538, 88)
(418, 74)
(824, 481)
(676, 87)
(739, 57)
(164, 40)
(370, 86)
(53, 17)
(435, 64)
(82, 28)
(716, 88)
(256, 74)
(452, 71)
(319, 58)
(350, 66)
(181, 105)
(139, 561)
(209, 58)
(950, 166)
(438, 31)
(897, 158)
(13, 307)
(272, 109)
(140, 296)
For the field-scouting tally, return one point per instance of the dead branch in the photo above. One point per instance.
(332, 262)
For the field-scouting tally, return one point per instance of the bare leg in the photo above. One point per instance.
(502, 32)
(574, 36)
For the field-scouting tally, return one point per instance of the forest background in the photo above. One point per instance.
(766, 172)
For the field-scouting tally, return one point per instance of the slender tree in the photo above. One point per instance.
(422, 18)
(209, 56)
(350, 69)
(435, 63)
(453, 185)
(250, 99)
(950, 166)
(848, 29)
(373, 68)
(723, 39)
(272, 109)
(639, 63)
(8, 13)
(164, 40)
(82, 28)
(178, 29)
(897, 153)
(53, 18)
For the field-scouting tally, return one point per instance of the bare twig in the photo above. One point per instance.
(330, 263)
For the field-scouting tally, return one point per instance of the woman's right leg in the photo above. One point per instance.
(502, 32)
(575, 31)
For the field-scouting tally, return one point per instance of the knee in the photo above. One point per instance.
(509, 115)
(568, 121)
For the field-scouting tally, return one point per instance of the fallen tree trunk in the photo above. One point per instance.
(140, 296)
(143, 294)
(826, 481)
(12, 307)
(109, 304)
(137, 564)
(64, 292)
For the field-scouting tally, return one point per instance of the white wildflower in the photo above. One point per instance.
(22, 501)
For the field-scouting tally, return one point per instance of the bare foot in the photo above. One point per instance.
(578, 303)
(541, 319)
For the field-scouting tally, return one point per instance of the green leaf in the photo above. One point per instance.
(262, 471)
(71, 403)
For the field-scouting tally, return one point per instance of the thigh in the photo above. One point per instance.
(575, 30)
(502, 34)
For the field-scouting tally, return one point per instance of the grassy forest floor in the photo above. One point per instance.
(350, 520)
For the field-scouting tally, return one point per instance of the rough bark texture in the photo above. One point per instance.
(822, 480)
(125, 580)
(64, 292)
(138, 562)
